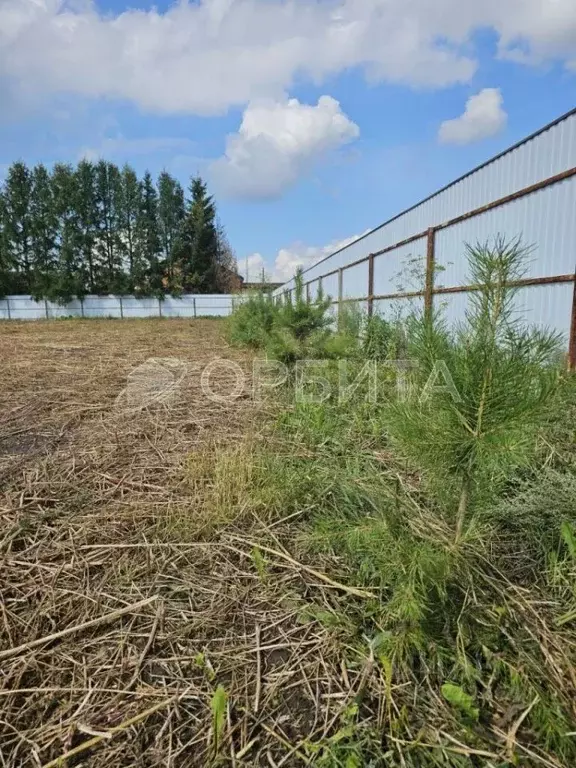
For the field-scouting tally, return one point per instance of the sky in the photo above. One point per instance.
(312, 122)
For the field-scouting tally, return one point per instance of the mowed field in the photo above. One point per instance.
(134, 628)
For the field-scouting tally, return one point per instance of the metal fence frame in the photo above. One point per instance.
(429, 288)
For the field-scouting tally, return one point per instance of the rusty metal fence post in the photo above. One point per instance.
(340, 292)
(430, 265)
(572, 343)
(370, 284)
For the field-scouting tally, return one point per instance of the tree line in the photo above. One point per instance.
(99, 229)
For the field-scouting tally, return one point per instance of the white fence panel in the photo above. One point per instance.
(102, 306)
(133, 306)
(544, 221)
(54, 311)
(398, 309)
(190, 305)
(355, 281)
(330, 286)
(402, 269)
(543, 306)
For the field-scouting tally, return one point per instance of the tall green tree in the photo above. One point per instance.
(198, 243)
(171, 212)
(18, 224)
(71, 277)
(44, 232)
(147, 271)
(130, 203)
(86, 206)
(109, 244)
(226, 260)
(95, 228)
(6, 265)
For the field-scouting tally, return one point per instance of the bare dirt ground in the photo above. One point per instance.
(124, 608)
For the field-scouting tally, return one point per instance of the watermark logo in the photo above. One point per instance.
(223, 381)
(159, 380)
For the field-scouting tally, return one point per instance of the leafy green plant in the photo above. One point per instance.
(460, 700)
(378, 337)
(218, 706)
(260, 564)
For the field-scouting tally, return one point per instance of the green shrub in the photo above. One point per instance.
(380, 338)
(251, 321)
(301, 326)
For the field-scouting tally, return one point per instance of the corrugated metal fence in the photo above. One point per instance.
(189, 305)
(417, 257)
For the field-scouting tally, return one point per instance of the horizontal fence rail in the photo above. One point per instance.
(123, 307)
(430, 288)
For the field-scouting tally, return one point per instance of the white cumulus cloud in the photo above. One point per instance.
(204, 56)
(277, 142)
(288, 259)
(484, 116)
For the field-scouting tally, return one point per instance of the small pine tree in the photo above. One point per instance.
(301, 326)
(252, 321)
(468, 434)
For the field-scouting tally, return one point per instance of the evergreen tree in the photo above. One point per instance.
(226, 259)
(130, 203)
(147, 272)
(18, 224)
(44, 232)
(97, 229)
(198, 244)
(6, 265)
(109, 245)
(71, 275)
(171, 211)
(87, 223)
(481, 414)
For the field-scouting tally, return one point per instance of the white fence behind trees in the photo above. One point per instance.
(189, 305)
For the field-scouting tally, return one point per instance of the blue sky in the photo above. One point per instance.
(312, 122)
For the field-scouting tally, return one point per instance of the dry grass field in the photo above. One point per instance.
(135, 629)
